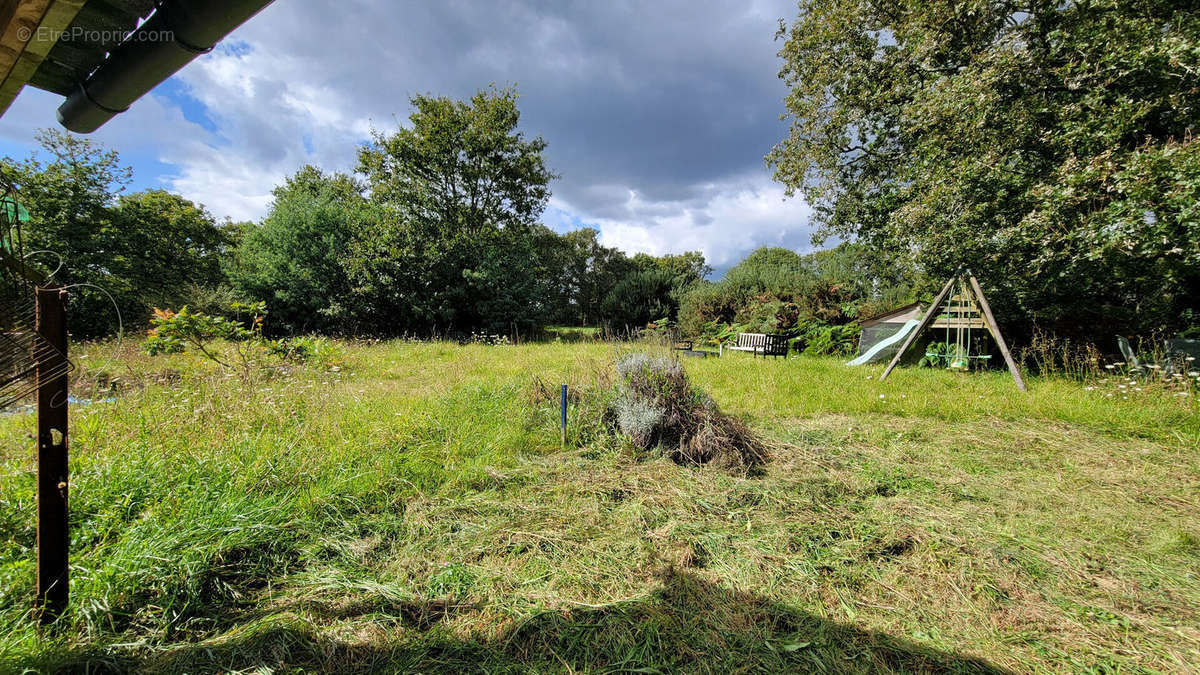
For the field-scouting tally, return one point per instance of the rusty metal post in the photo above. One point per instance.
(53, 537)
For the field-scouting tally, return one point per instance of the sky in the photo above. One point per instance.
(657, 114)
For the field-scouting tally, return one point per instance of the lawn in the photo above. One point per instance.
(408, 506)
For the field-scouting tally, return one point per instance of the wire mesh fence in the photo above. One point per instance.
(21, 347)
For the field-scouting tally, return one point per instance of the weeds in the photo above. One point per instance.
(414, 511)
(1050, 355)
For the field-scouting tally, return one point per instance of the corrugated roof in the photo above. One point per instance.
(96, 29)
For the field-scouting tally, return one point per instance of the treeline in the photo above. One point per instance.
(436, 232)
(330, 259)
(816, 298)
(138, 250)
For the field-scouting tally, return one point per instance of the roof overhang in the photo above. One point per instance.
(102, 55)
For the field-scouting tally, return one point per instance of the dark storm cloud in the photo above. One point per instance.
(658, 97)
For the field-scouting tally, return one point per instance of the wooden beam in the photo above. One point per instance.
(28, 36)
(933, 311)
(20, 22)
(995, 331)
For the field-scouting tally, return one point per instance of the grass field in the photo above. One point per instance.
(407, 506)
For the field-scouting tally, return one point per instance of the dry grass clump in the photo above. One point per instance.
(656, 406)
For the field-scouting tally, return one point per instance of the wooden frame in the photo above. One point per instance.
(989, 322)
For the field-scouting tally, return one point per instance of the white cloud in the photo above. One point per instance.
(734, 219)
(656, 114)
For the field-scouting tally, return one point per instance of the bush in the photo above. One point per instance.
(177, 332)
(820, 339)
(304, 349)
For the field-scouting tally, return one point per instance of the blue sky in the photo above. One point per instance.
(657, 115)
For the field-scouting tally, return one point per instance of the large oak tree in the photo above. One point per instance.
(1049, 145)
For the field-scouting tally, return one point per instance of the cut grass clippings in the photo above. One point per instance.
(409, 506)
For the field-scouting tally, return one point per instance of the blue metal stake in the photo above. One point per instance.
(564, 415)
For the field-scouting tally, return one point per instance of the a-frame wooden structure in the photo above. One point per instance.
(965, 313)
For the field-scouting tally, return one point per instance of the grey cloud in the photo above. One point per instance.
(655, 96)
(657, 114)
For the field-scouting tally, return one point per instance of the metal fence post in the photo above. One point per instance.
(53, 537)
(564, 415)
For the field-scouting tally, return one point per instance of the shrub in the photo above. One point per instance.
(304, 349)
(177, 332)
(174, 332)
(819, 339)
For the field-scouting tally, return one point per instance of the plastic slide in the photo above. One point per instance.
(885, 343)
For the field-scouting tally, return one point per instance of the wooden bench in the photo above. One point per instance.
(761, 343)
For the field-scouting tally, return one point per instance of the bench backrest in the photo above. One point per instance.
(765, 343)
(751, 339)
(775, 345)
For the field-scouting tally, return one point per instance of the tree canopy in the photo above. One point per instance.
(458, 195)
(144, 249)
(293, 260)
(1048, 145)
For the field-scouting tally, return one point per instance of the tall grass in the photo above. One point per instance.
(408, 506)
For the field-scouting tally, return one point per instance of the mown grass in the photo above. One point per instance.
(407, 507)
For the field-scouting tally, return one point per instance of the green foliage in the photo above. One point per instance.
(293, 260)
(440, 236)
(640, 298)
(819, 339)
(581, 273)
(686, 270)
(147, 249)
(458, 194)
(304, 349)
(454, 579)
(814, 297)
(1047, 146)
(174, 332)
(938, 355)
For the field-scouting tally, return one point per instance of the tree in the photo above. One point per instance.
(779, 290)
(596, 270)
(640, 298)
(770, 270)
(1047, 145)
(459, 193)
(686, 269)
(168, 247)
(293, 260)
(146, 248)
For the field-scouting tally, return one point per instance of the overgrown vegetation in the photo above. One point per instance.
(1049, 146)
(411, 508)
(815, 299)
(242, 336)
(655, 406)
